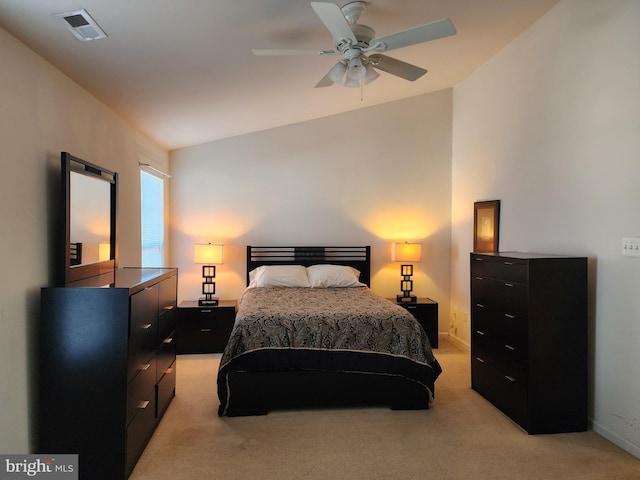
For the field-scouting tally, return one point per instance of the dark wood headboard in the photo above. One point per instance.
(358, 257)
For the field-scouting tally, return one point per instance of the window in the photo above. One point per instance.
(152, 214)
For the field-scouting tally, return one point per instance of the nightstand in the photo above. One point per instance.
(204, 329)
(425, 312)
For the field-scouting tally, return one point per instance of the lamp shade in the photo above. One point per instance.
(209, 254)
(407, 252)
(104, 251)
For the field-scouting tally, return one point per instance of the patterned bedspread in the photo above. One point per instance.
(284, 329)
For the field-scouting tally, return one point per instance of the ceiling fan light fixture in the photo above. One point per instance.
(356, 70)
(336, 74)
(351, 82)
(371, 74)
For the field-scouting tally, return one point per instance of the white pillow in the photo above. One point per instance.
(279, 276)
(326, 276)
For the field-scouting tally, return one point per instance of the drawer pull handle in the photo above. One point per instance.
(508, 284)
(411, 308)
(143, 405)
(205, 329)
(169, 307)
(480, 305)
(509, 347)
(508, 263)
(478, 259)
(479, 278)
(146, 326)
(510, 378)
(480, 332)
(148, 288)
(168, 340)
(481, 360)
(145, 367)
(206, 311)
(508, 315)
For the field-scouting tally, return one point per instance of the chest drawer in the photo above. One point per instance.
(509, 270)
(499, 297)
(509, 357)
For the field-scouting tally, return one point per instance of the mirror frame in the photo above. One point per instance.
(67, 273)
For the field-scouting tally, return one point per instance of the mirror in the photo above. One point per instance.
(89, 236)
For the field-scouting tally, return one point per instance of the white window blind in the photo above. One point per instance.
(152, 214)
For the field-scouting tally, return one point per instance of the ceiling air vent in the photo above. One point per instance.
(82, 25)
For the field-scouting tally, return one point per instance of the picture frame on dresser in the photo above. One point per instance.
(486, 226)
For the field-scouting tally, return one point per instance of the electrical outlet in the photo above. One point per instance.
(631, 246)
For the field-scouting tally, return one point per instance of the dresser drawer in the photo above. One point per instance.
(141, 388)
(166, 389)
(166, 323)
(139, 432)
(510, 270)
(165, 356)
(167, 294)
(143, 329)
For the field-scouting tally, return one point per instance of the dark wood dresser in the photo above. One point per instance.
(529, 338)
(106, 367)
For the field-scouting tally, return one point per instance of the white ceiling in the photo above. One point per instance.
(183, 71)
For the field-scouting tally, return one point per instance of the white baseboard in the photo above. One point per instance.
(615, 439)
(459, 343)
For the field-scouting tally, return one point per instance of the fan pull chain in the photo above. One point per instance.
(361, 90)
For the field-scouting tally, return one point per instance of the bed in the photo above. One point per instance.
(309, 333)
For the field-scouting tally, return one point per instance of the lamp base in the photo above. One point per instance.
(408, 299)
(208, 302)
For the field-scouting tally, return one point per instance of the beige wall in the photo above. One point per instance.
(362, 178)
(43, 113)
(550, 126)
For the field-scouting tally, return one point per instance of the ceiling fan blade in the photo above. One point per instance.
(270, 52)
(420, 34)
(396, 67)
(332, 17)
(325, 82)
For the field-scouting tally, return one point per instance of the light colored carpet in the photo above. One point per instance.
(461, 437)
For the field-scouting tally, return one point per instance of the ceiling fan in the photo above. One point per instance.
(353, 41)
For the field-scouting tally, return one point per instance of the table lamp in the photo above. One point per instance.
(209, 255)
(406, 252)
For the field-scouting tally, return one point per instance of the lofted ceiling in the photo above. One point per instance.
(183, 70)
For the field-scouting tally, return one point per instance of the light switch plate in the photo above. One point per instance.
(631, 246)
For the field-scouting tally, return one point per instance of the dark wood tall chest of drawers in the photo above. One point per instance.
(529, 338)
(106, 367)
